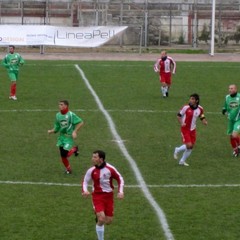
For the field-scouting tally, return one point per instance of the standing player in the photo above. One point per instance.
(232, 109)
(102, 175)
(67, 124)
(165, 65)
(187, 118)
(11, 62)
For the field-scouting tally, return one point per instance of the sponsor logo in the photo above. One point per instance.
(85, 35)
(233, 105)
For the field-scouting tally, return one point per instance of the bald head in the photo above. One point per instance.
(232, 89)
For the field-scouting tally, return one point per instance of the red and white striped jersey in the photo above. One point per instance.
(165, 66)
(190, 115)
(102, 179)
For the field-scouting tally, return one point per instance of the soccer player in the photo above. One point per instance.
(67, 124)
(11, 62)
(102, 175)
(187, 117)
(231, 107)
(165, 65)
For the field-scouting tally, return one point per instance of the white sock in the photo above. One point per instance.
(185, 155)
(163, 91)
(100, 232)
(181, 148)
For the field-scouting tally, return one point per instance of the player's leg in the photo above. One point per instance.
(190, 140)
(163, 84)
(234, 141)
(164, 89)
(13, 85)
(235, 138)
(65, 161)
(98, 203)
(109, 208)
(74, 151)
(168, 82)
(184, 134)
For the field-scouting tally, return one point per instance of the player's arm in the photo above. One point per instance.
(224, 109)
(118, 177)
(203, 119)
(5, 62)
(77, 128)
(55, 129)
(174, 66)
(87, 178)
(20, 60)
(156, 66)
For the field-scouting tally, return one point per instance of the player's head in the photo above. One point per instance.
(63, 106)
(163, 55)
(101, 154)
(65, 102)
(98, 158)
(194, 100)
(232, 89)
(11, 48)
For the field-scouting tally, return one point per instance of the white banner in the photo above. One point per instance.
(57, 36)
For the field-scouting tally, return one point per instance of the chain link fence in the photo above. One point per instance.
(150, 22)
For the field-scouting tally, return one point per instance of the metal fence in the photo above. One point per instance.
(151, 23)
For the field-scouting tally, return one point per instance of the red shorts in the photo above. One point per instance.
(166, 78)
(103, 202)
(188, 136)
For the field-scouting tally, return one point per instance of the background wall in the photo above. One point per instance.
(151, 22)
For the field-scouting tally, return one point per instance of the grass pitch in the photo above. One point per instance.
(39, 202)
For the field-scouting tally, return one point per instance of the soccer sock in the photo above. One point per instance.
(66, 163)
(163, 91)
(181, 148)
(234, 142)
(13, 89)
(100, 232)
(185, 155)
(70, 153)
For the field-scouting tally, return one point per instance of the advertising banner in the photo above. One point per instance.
(26, 35)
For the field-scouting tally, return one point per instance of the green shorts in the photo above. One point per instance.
(66, 142)
(13, 76)
(233, 127)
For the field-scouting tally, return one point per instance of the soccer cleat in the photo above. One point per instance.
(13, 98)
(235, 153)
(69, 171)
(184, 164)
(175, 154)
(76, 152)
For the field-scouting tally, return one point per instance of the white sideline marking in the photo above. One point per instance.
(97, 110)
(126, 186)
(140, 180)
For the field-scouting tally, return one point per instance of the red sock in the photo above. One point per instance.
(70, 153)
(66, 163)
(13, 89)
(234, 142)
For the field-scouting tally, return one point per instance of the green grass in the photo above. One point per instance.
(147, 123)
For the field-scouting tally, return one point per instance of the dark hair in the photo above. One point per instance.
(65, 102)
(101, 154)
(196, 97)
(11, 46)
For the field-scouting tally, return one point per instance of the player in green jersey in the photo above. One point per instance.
(67, 124)
(231, 107)
(11, 62)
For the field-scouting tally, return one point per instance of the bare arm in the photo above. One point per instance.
(77, 128)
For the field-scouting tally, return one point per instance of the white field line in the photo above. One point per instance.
(140, 180)
(97, 110)
(126, 186)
